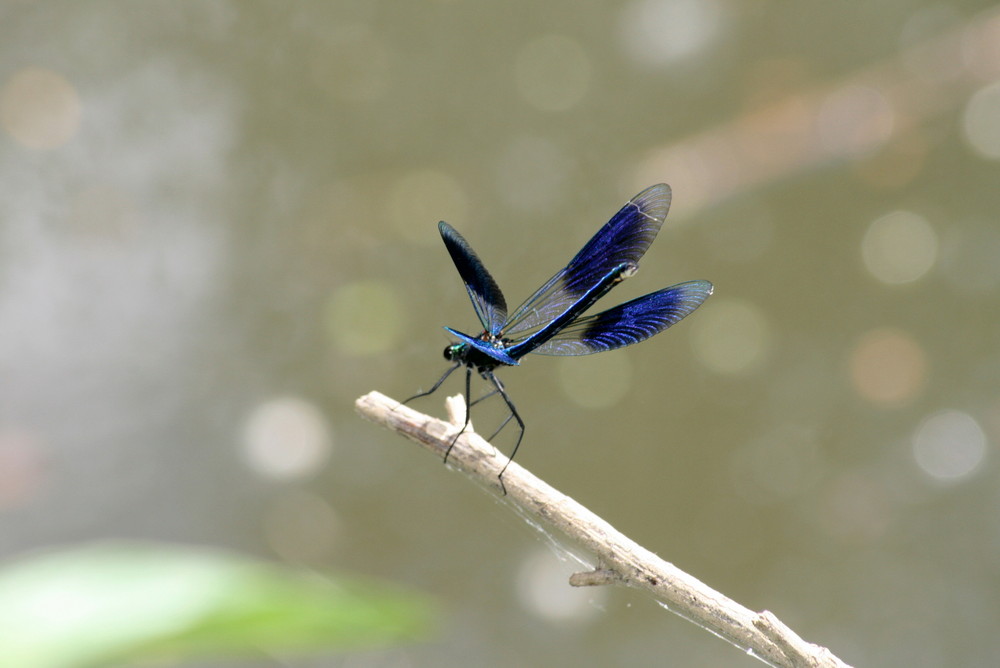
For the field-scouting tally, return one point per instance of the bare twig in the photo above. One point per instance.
(620, 559)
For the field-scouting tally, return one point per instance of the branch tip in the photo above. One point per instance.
(620, 560)
(594, 578)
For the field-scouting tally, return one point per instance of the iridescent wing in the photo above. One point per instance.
(484, 292)
(628, 323)
(623, 240)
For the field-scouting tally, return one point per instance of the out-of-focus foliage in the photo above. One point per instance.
(129, 601)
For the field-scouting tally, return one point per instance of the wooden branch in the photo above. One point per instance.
(620, 560)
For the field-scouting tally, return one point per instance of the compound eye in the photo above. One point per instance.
(449, 353)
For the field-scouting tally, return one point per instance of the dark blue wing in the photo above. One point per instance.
(628, 323)
(623, 240)
(484, 292)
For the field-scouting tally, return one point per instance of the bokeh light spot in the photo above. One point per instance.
(420, 199)
(981, 121)
(364, 318)
(552, 73)
(286, 438)
(949, 445)
(596, 381)
(39, 108)
(658, 32)
(731, 336)
(888, 367)
(899, 247)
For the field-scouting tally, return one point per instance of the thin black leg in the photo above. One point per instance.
(502, 425)
(520, 423)
(485, 396)
(468, 411)
(436, 385)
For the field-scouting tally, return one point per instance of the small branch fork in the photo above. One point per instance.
(620, 560)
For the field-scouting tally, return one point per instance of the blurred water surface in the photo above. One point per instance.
(217, 228)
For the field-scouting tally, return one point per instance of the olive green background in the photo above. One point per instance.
(235, 204)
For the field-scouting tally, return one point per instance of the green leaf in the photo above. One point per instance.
(130, 601)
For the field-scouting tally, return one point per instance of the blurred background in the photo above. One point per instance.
(218, 228)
